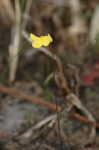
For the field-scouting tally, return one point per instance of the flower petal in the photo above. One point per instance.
(37, 42)
(34, 37)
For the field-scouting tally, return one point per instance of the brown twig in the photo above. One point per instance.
(40, 101)
(22, 95)
(83, 119)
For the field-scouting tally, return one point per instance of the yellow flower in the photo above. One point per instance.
(38, 42)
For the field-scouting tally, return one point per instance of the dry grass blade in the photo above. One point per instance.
(39, 125)
(16, 37)
(6, 12)
(26, 14)
(74, 100)
(94, 27)
(78, 24)
(15, 43)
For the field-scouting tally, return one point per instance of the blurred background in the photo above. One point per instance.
(73, 25)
